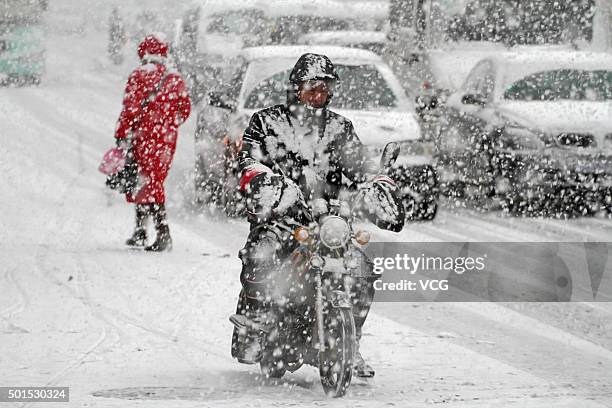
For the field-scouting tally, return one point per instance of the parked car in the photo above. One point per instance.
(533, 130)
(211, 35)
(294, 19)
(368, 94)
(375, 41)
(438, 42)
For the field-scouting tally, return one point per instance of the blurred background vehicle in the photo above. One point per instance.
(211, 35)
(292, 20)
(127, 27)
(22, 41)
(375, 41)
(435, 43)
(211, 38)
(533, 130)
(368, 94)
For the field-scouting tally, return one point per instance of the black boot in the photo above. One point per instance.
(250, 323)
(362, 369)
(163, 241)
(361, 308)
(139, 237)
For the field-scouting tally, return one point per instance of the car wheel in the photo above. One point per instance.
(430, 211)
(410, 208)
(478, 196)
(453, 189)
(425, 210)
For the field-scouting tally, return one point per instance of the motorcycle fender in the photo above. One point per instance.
(340, 299)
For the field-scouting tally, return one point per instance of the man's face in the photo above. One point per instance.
(314, 93)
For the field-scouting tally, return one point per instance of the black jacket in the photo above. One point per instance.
(334, 150)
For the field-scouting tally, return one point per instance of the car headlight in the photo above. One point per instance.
(533, 177)
(607, 143)
(334, 232)
(605, 182)
(452, 139)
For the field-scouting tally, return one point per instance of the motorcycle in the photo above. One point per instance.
(311, 319)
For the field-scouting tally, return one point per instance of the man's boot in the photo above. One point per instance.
(362, 369)
(139, 237)
(361, 308)
(163, 241)
(250, 325)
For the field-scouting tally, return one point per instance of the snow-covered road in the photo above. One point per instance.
(125, 328)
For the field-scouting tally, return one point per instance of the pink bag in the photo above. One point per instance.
(113, 161)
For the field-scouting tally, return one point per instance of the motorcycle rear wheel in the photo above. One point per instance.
(336, 361)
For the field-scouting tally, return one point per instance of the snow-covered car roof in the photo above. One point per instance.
(295, 51)
(519, 64)
(553, 116)
(343, 37)
(324, 8)
(328, 8)
(452, 63)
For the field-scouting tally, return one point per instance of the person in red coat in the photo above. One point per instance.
(155, 104)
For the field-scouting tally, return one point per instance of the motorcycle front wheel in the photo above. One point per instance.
(336, 361)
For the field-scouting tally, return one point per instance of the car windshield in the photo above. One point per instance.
(563, 84)
(239, 22)
(361, 87)
(289, 29)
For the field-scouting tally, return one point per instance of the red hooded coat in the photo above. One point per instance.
(154, 125)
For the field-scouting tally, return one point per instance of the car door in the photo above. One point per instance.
(215, 130)
(464, 142)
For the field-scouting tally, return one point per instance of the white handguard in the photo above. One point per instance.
(264, 192)
(290, 196)
(272, 195)
(381, 204)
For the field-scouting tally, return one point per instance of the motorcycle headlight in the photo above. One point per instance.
(334, 232)
(533, 177)
(319, 207)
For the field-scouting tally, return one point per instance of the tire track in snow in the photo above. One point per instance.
(19, 305)
(60, 121)
(584, 233)
(39, 269)
(62, 127)
(169, 336)
(557, 230)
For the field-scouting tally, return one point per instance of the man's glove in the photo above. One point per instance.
(271, 195)
(379, 201)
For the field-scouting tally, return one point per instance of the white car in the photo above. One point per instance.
(368, 94)
(210, 35)
(534, 130)
(374, 41)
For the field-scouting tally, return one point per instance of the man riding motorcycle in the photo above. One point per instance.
(292, 154)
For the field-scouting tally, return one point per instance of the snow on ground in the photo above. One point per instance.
(125, 328)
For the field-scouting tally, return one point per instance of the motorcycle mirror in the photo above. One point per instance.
(389, 155)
